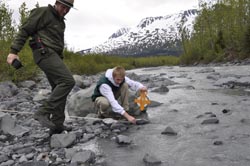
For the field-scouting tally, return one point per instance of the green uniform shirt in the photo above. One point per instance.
(45, 23)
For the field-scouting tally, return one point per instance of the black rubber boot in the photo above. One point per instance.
(44, 120)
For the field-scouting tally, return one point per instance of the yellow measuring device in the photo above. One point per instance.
(142, 101)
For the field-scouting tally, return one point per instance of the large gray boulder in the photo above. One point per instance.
(80, 103)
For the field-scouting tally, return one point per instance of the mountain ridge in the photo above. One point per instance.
(160, 35)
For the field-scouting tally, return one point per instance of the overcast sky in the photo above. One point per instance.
(94, 21)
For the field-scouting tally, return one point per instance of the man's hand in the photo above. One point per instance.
(129, 118)
(144, 89)
(11, 58)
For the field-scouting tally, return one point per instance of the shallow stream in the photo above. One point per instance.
(183, 109)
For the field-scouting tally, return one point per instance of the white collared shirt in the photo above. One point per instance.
(107, 92)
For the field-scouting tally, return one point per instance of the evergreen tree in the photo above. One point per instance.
(219, 29)
(7, 29)
(24, 13)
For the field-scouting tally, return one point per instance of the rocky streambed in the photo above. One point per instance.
(198, 116)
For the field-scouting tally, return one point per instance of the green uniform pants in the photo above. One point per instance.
(61, 81)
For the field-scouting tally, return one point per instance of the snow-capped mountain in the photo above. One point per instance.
(119, 33)
(152, 36)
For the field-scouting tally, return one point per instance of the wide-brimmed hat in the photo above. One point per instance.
(69, 3)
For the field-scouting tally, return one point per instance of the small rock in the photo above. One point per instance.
(151, 160)
(142, 121)
(218, 142)
(62, 140)
(85, 157)
(122, 139)
(23, 159)
(210, 121)
(109, 121)
(226, 111)
(8, 163)
(169, 131)
(3, 158)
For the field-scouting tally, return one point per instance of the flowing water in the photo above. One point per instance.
(183, 109)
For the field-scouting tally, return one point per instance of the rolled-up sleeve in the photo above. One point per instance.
(133, 85)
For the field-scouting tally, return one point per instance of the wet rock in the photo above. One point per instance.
(161, 89)
(174, 110)
(151, 160)
(207, 115)
(154, 104)
(227, 111)
(212, 115)
(218, 142)
(119, 126)
(142, 121)
(238, 82)
(169, 131)
(214, 76)
(244, 81)
(140, 78)
(210, 121)
(109, 121)
(245, 121)
(206, 70)
(182, 87)
(122, 139)
(225, 81)
(199, 116)
(62, 140)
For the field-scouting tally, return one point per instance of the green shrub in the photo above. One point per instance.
(78, 64)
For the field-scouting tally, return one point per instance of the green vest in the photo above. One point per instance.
(104, 80)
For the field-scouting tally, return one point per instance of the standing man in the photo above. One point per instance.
(46, 27)
(113, 85)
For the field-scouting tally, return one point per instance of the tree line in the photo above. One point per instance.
(221, 33)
